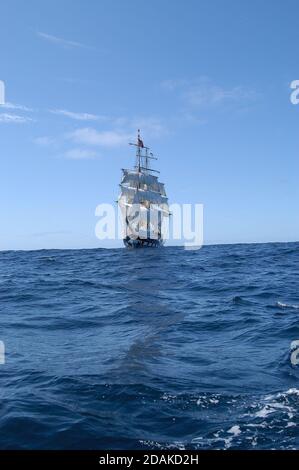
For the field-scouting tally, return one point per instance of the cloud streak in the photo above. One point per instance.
(77, 116)
(60, 41)
(202, 93)
(215, 95)
(92, 137)
(14, 119)
(44, 141)
(16, 107)
(80, 154)
(84, 143)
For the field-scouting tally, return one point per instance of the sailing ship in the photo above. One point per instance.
(143, 201)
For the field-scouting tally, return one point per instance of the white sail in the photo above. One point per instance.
(128, 192)
(142, 181)
(143, 200)
(151, 197)
(130, 176)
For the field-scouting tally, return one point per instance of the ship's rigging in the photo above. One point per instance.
(143, 200)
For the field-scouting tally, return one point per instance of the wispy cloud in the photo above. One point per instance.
(59, 41)
(151, 126)
(14, 119)
(76, 153)
(174, 83)
(77, 116)
(90, 136)
(80, 154)
(215, 95)
(83, 143)
(203, 93)
(44, 141)
(16, 107)
(122, 126)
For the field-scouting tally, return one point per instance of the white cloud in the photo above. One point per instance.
(14, 119)
(202, 93)
(44, 141)
(17, 107)
(77, 116)
(151, 127)
(209, 95)
(80, 154)
(89, 136)
(122, 131)
(59, 41)
(125, 126)
(173, 84)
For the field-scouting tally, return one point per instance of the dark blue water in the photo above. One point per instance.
(157, 348)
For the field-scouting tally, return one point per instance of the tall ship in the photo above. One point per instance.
(143, 201)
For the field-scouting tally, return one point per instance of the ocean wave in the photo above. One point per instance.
(287, 306)
(150, 349)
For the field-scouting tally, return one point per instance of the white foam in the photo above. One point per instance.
(264, 412)
(292, 391)
(161, 446)
(235, 430)
(214, 400)
(282, 305)
(291, 424)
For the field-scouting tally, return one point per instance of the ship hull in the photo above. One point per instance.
(142, 243)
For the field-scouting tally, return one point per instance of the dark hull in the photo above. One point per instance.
(142, 242)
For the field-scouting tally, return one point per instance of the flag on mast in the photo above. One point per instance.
(139, 141)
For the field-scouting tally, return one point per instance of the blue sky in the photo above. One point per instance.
(208, 83)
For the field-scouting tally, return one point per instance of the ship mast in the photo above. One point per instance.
(142, 159)
(141, 186)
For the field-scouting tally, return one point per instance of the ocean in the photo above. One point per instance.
(150, 349)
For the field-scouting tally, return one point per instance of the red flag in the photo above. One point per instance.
(140, 143)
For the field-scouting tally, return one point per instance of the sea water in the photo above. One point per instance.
(150, 349)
